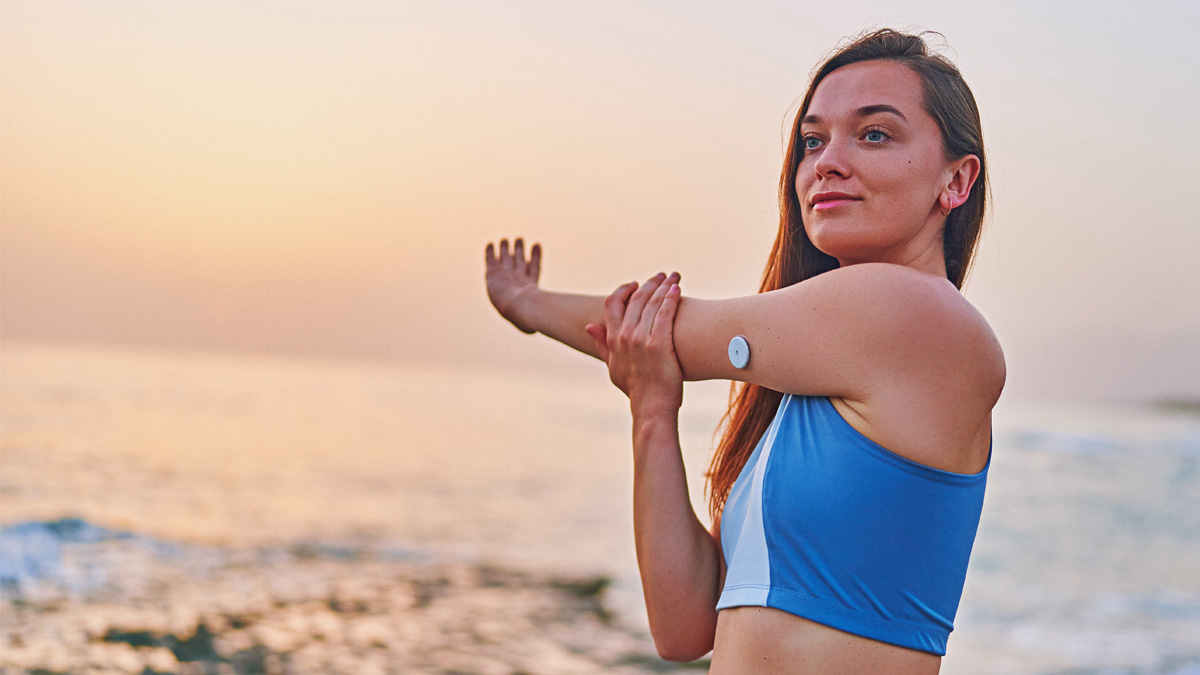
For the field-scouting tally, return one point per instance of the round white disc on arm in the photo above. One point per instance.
(739, 352)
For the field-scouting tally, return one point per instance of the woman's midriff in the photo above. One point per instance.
(764, 641)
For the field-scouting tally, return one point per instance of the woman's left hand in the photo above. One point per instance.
(637, 343)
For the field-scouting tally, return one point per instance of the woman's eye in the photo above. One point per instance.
(875, 136)
(811, 143)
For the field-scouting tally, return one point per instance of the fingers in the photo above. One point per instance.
(519, 255)
(600, 337)
(637, 301)
(650, 311)
(535, 262)
(664, 320)
(645, 322)
(516, 259)
(615, 307)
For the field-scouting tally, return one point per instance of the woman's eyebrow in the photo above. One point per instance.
(868, 110)
(865, 111)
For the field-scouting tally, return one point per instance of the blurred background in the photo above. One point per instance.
(320, 179)
(242, 303)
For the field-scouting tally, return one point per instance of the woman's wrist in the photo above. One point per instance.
(522, 308)
(655, 432)
(652, 416)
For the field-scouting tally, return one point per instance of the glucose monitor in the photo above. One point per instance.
(739, 352)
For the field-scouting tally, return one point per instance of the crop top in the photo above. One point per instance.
(826, 524)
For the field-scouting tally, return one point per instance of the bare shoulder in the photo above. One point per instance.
(935, 368)
(899, 293)
(913, 322)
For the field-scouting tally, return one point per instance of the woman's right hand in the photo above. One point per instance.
(637, 343)
(511, 278)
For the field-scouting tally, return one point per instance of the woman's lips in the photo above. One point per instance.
(831, 199)
(832, 203)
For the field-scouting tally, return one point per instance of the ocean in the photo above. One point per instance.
(1087, 558)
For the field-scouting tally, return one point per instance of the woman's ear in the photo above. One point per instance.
(963, 172)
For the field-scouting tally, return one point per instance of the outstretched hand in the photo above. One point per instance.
(510, 277)
(637, 342)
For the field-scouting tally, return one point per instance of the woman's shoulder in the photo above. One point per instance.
(895, 283)
(922, 319)
(936, 371)
(901, 293)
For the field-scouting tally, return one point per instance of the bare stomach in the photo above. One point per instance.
(764, 641)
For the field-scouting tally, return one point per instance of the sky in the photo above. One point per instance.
(319, 179)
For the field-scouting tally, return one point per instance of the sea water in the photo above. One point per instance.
(1087, 559)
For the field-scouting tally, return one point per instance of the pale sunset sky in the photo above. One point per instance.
(320, 178)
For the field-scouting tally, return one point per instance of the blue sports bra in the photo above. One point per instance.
(828, 525)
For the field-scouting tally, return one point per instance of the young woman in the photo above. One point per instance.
(847, 487)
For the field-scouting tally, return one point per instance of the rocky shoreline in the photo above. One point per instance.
(82, 599)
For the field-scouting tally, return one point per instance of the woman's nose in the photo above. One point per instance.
(833, 160)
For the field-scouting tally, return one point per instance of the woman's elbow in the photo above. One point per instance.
(680, 649)
(681, 656)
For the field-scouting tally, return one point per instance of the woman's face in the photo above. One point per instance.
(873, 168)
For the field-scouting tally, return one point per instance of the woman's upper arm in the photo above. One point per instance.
(838, 334)
(715, 533)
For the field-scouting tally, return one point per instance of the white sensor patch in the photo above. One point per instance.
(739, 352)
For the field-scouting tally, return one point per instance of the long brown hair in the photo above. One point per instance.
(794, 258)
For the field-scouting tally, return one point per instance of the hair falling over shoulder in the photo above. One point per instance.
(793, 257)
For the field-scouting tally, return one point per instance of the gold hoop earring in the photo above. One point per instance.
(946, 212)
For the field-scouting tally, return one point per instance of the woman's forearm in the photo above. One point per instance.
(512, 287)
(678, 559)
(562, 316)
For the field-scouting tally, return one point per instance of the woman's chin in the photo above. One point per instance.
(845, 249)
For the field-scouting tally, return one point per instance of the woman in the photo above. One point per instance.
(847, 487)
